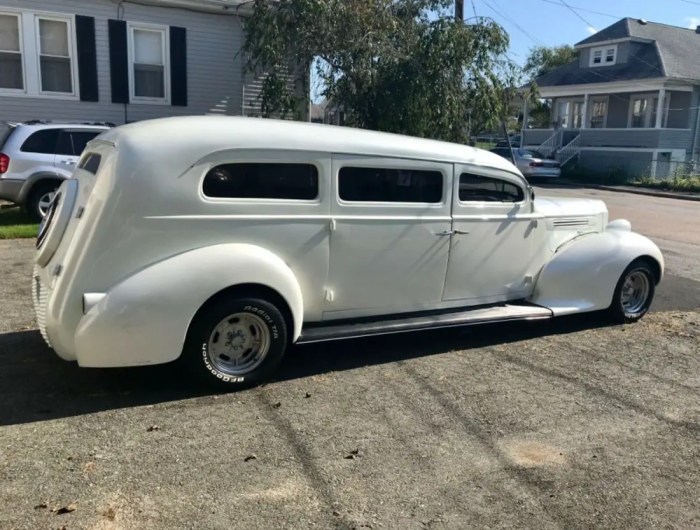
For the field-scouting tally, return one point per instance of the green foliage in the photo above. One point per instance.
(14, 223)
(543, 59)
(678, 182)
(385, 63)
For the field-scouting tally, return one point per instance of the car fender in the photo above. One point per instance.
(37, 177)
(583, 273)
(144, 319)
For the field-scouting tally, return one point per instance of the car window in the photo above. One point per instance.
(530, 153)
(366, 184)
(262, 181)
(43, 141)
(90, 162)
(5, 130)
(72, 143)
(505, 153)
(477, 188)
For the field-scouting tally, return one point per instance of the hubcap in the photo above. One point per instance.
(45, 202)
(635, 292)
(238, 344)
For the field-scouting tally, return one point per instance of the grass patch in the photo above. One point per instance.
(14, 223)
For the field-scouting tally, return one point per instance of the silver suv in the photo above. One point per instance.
(35, 156)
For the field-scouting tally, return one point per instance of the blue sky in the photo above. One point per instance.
(550, 22)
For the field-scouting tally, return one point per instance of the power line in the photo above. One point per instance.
(618, 17)
(562, 2)
(691, 2)
(506, 17)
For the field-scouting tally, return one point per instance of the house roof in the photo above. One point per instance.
(660, 51)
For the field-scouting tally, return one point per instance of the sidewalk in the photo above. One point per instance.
(639, 190)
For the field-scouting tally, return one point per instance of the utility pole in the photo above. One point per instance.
(459, 10)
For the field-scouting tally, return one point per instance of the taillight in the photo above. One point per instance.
(536, 164)
(4, 163)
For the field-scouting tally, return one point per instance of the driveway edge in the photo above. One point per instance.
(632, 189)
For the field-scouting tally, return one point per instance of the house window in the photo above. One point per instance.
(55, 61)
(577, 115)
(563, 114)
(148, 63)
(643, 111)
(38, 54)
(639, 112)
(599, 112)
(11, 71)
(603, 55)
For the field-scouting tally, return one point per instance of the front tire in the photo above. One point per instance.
(634, 293)
(236, 343)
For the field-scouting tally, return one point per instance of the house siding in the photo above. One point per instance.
(214, 67)
(608, 162)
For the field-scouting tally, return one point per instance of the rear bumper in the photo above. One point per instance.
(11, 189)
(542, 172)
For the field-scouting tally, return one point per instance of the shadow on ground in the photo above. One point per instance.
(35, 385)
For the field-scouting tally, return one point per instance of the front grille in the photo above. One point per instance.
(40, 296)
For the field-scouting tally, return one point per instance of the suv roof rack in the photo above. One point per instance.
(45, 122)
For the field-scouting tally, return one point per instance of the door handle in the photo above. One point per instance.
(451, 232)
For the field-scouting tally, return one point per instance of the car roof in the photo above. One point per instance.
(198, 136)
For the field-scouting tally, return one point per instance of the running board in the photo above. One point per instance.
(481, 315)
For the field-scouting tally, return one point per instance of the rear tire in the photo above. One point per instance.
(236, 343)
(39, 199)
(634, 293)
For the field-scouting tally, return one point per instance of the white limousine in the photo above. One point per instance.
(221, 241)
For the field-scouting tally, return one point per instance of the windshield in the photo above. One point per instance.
(529, 153)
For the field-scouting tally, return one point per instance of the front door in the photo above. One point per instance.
(492, 246)
(390, 235)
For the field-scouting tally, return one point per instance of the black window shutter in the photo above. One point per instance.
(118, 61)
(87, 58)
(178, 66)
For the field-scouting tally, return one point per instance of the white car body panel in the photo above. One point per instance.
(144, 249)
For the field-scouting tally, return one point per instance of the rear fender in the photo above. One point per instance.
(583, 273)
(144, 319)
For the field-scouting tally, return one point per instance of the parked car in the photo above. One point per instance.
(515, 141)
(531, 163)
(222, 240)
(36, 156)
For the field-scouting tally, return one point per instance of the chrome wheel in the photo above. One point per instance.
(239, 344)
(45, 202)
(635, 291)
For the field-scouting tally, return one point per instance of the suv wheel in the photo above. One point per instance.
(236, 343)
(40, 199)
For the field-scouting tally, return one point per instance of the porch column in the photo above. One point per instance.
(660, 108)
(584, 111)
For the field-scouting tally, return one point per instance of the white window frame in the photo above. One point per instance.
(165, 36)
(31, 64)
(603, 55)
(649, 111)
(591, 104)
(23, 62)
(72, 54)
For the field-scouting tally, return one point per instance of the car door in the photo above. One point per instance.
(492, 247)
(390, 226)
(70, 145)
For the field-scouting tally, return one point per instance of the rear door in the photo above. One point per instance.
(70, 145)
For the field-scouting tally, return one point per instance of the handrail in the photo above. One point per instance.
(551, 144)
(569, 151)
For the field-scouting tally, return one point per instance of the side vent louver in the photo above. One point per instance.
(570, 222)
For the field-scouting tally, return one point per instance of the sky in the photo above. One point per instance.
(549, 22)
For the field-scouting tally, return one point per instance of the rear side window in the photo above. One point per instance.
(90, 162)
(365, 184)
(262, 181)
(41, 142)
(72, 143)
(477, 188)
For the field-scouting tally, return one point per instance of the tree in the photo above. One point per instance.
(542, 59)
(391, 65)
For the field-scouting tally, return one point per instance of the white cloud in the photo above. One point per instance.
(693, 22)
(591, 30)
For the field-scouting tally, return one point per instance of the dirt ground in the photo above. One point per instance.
(567, 424)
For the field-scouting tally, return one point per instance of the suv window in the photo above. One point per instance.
(487, 189)
(262, 181)
(72, 143)
(43, 141)
(366, 184)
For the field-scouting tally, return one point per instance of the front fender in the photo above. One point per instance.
(583, 273)
(144, 319)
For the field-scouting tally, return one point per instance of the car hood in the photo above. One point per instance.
(556, 206)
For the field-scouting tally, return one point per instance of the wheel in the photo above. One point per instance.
(236, 343)
(634, 292)
(40, 199)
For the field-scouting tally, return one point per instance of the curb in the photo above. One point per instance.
(638, 191)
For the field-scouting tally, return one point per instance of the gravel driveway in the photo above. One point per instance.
(567, 424)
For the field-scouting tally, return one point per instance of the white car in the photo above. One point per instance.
(223, 240)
